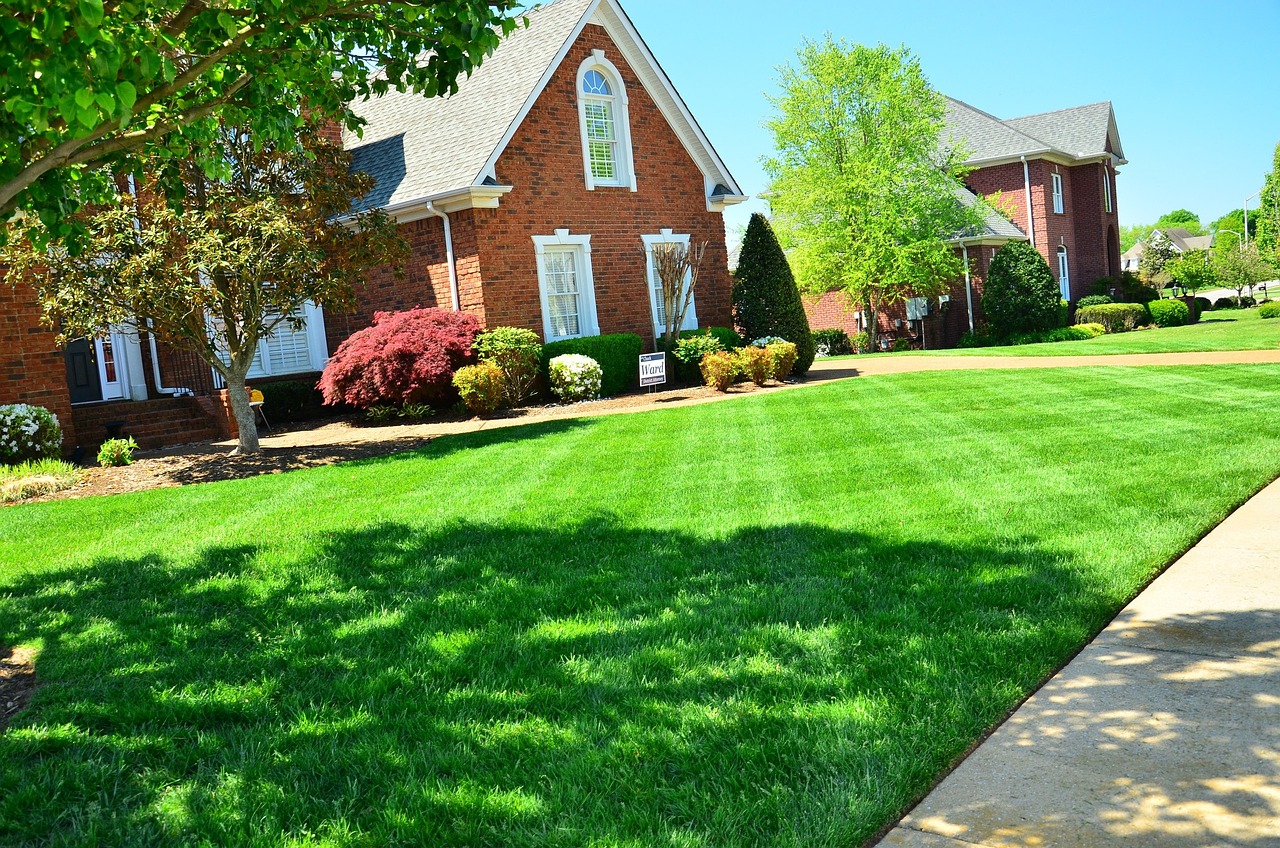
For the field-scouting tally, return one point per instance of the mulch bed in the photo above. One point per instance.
(17, 682)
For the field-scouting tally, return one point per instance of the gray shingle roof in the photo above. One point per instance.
(1079, 132)
(418, 147)
(995, 225)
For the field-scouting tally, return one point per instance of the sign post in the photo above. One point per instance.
(653, 369)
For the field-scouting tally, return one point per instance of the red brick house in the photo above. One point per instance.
(532, 197)
(1054, 177)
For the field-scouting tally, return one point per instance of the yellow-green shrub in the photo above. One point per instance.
(757, 364)
(719, 369)
(782, 356)
(482, 387)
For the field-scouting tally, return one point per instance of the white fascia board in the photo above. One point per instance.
(471, 197)
(985, 241)
(724, 201)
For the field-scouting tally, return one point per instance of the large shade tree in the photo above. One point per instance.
(1243, 269)
(864, 184)
(1267, 216)
(88, 83)
(237, 261)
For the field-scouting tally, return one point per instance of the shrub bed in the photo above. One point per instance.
(1169, 313)
(1270, 310)
(618, 356)
(1115, 317)
(404, 358)
(575, 377)
(291, 400)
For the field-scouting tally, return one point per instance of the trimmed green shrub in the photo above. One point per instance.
(899, 345)
(728, 337)
(1203, 305)
(618, 356)
(28, 433)
(291, 400)
(1116, 317)
(1093, 300)
(972, 339)
(1094, 330)
(575, 377)
(516, 352)
(720, 369)
(482, 387)
(757, 364)
(833, 342)
(115, 453)
(1169, 313)
(766, 301)
(782, 358)
(1020, 295)
(1269, 310)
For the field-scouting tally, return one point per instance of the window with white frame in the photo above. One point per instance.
(566, 286)
(296, 346)
(1057, 193)
(1064, 274)
(606, 129)
(656, 300)
(1106, 189)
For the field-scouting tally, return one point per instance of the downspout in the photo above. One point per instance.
(448, 250)
(1026, 186)
(968, 284)
(151, 336)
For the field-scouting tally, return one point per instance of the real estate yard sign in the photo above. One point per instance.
(653, 369)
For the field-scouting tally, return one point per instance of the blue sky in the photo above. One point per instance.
(1193, 83)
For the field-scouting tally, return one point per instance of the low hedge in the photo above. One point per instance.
(1116, 317)
(1243, 302)
(1203, 305)
(1270, 310)
(618, 355)
(728, 337)
(1093, 300)
(292, 400)
(833, 342)
(1169, 313)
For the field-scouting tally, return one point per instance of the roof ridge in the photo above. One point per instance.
(1004, 123)
(1064, 109)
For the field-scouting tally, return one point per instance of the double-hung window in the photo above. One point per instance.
(657, 299)
(566, 286)
(1106, 189)
(606, 131)
(1057, 193)
(1064, 274)
(295, 346)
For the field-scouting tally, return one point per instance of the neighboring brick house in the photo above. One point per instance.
(1053, 177)
(531, 197)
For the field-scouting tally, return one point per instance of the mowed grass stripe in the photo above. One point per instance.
(769, 621)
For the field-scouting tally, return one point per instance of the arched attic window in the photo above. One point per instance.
(605, 125)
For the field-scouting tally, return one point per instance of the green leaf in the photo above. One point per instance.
(126, 94)
(91, 12)
(228, 23)
(84, 98)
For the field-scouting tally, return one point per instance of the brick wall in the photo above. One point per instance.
(544, 164)
(152, 423)
(32, 368)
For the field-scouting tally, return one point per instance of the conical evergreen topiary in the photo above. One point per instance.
(1020, 294)
(766, 301)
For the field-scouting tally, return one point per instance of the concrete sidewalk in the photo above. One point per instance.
(1164, 731)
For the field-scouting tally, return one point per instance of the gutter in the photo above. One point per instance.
(448, 249)
(968, 284)
(1026, 185)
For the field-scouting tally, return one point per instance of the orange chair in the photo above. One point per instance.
(255, 403)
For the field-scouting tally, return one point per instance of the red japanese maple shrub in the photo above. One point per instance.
(405, 357)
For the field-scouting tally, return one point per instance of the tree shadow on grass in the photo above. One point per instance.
(481, 685)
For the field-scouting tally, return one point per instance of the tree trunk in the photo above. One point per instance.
(244, 415)
(873, 325)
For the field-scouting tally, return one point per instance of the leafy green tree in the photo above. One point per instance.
(1228, 229)
(1157, 253)
(1267, 217)
(1193, 272)
(1131, 235)
(1243, 269)
(766, 300)
(1183, 218)
(1020, 294)
(863, 183)
(219, 275)
(88, 83)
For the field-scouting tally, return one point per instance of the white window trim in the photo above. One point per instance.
(1106, 189)
(621, 118)
(588, 323)
(665, 236)
(1058, 201)
(317, 348)
(1064, 273)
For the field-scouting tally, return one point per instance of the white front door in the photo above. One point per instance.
(111, 366)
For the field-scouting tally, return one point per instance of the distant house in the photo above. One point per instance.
(1055, 176)
(1179, 238)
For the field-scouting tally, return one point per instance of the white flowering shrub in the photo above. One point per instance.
(765, 341)
(575, 377)
(28, 432)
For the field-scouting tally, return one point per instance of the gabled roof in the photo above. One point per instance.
(1082, 132)
(1182, 239)
(994, 226)
(421, 148)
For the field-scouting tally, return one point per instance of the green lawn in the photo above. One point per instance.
(768, 621)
